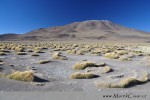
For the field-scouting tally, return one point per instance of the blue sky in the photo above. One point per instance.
(21, 16)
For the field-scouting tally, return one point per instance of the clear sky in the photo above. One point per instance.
(21, 16)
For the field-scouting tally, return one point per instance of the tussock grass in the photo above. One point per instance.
(112, 55)
(2, 63)
(57, 55)
(124, 83)
(125, 59)
(121, 52)
(2, 53)
(84, 64)
(19, 49)
(30, 50)
(102, 64)
(21, 53)
(39, 51)
(26, 76)
(44, 61)
(107, 69)
(71, 51)
(2, 75)
(79, 75)
(35, 54)
(4, 50)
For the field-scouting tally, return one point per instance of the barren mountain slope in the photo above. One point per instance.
(86, 30)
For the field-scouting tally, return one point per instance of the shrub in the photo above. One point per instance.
(79, 75)
(26, 76)
(84, 64)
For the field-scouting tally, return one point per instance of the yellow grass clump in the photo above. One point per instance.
(44, 61)
(26, 76)
(112, 55)
(21, 53)
(57, 55)
(125, 59)
(2, 75)
(35, 54)
(106, 69)
(2, 63)
(2, 53)
(124, 83)
(79, 75)
(84, 64)
(20, 49)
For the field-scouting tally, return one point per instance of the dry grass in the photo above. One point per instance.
(71, 51)
(121, 52)
(30, 50)
(79, 75)
(102, 64)
(146, 60)
(106, 69)
(35, 54)
(44, 61)
(124, 83)
(84, 64)
(125, 59)
(112, 55)
(26, 76)
(39, 51)
(19, 49)
(4, 50)
(21, 53)
(57, 55)
(2, 75)
(2, 53)
(2, 63)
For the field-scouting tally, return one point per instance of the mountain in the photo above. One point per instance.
(85, 30)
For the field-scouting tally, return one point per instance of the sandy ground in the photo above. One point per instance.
(56, 73)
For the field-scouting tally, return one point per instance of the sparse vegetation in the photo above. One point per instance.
(21, 53)
(2, 63)
(44, 61)
(2, 75)
(2, 53)
(102, 64)
(81, 52)
(79, 75)
(124, 83)
(112, 55)
(107, 69)
(57, 55)
(84, 64)
(26, 76)
(35, 54)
